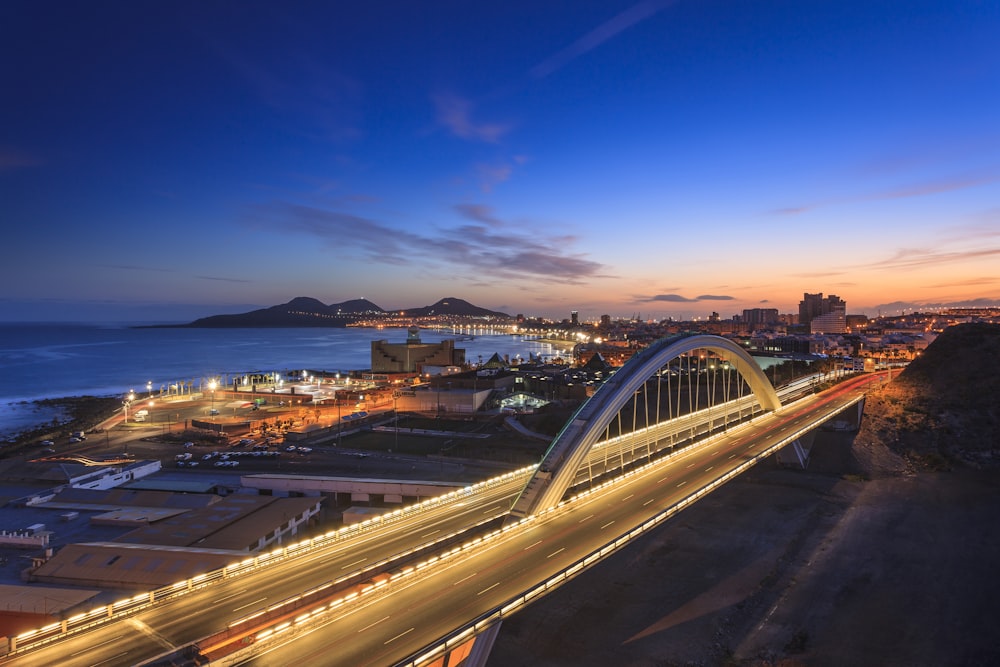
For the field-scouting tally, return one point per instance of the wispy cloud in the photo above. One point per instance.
(492, 175)
(479, 213)
(11, 159)
(455, 114)
(905, 258)
(971, 282)
(602, 33)
(508, 255)
(136, 267)
(223, 279)
(922, 189)
(677, 298)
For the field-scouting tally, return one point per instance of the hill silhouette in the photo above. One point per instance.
(305, 311)
(943, 405)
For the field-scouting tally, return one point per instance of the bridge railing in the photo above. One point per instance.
(127, 606)
(486, 620)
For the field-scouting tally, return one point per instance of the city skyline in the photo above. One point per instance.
(662, 158)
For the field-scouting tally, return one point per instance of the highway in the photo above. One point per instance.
(381, 628)
(171, 624)
(416, 611)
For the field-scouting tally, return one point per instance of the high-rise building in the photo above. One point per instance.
(823, 315)
(759, 318)
(574, 318)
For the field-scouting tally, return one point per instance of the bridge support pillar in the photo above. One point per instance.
(796, 453)
(480, 649)
(848, 420)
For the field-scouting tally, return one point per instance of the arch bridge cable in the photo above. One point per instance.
(678, 390)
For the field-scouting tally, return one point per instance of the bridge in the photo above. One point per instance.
(431, 583)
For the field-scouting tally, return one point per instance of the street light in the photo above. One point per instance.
(127, 402)
(211, 387)
(149, 388)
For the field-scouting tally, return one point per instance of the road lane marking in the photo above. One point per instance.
(532, 545)
(555, 552)
(114, 657)
(606, 525)
(648, 501)
(354, 563)
(91, 648)
(431, 533)
(709, 468)
(681, 484)
(397, 636)
(229, 596)
(488, 589)
(250, 604)
(663, 480)
(627, 497)
(492, 509)
(465, 579)
(732, 456)
(589, 516)
(690, 465)
(372, 625)
(151, 633)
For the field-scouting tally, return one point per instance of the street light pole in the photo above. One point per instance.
(127, 402)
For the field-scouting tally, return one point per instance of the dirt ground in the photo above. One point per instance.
(858, 560)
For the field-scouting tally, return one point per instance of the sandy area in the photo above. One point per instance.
(785, 567)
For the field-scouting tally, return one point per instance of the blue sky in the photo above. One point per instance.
(164, 161)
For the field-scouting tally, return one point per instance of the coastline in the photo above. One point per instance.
(57, 415)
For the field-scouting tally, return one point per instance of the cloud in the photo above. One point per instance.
(225, 280)
(454, 113)
(492, 175)
(475, 247)
(971, 282)
(11, 159)
(602, 33)
(924, 189)
(913, 257)
(134, 267)
(677, 298)
(479, 213)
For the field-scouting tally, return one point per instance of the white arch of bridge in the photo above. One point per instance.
(570, 447)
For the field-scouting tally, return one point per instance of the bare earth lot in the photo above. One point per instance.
(785, 567)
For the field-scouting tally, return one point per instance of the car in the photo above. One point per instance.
(188, 445)
(79, 435)
(48, 450)
(192, 464)
(290, 448)
(74, 440)
(206, 457)
(220, 464)
(305, 450)
(246, 441)
(46, 443)
(213, 412)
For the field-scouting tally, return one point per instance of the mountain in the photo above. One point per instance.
(453, 306)
(305, 311)
(301, 311)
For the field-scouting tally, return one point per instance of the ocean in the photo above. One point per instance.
(40, 361)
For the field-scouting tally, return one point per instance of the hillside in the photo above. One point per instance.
(882, 552)
(309, 312)
(943, 407)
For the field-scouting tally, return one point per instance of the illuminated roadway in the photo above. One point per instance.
(415, 611)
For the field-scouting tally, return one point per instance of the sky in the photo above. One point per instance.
(163, 161)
